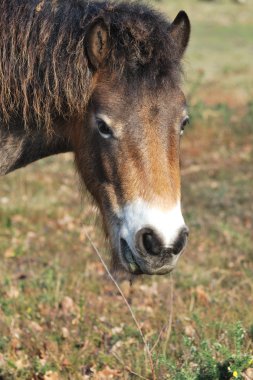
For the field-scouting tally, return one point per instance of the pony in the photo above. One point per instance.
(102, 80)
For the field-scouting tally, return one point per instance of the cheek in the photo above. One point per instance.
(81, 137)
(95, 166)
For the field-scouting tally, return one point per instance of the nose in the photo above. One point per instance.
(150, 243)
(181, 240)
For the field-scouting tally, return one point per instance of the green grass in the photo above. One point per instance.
(61, 317)
(207, 360)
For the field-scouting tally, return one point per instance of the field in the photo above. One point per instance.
(61, 316)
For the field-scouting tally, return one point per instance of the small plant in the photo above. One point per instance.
(209, 360)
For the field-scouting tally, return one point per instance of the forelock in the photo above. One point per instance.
(141, 46)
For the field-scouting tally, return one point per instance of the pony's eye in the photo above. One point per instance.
(103, 129)
(183, 125)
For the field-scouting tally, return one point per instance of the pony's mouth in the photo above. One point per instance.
(129, 258)
(136, 266)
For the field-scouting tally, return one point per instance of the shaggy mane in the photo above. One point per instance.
(44, 69)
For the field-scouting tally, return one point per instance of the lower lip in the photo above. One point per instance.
(129, 259)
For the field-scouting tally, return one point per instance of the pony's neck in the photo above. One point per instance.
(19, 148)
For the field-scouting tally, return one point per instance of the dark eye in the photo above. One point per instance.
(104, 130)
(183, 125)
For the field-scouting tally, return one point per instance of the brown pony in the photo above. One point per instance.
(101, 79)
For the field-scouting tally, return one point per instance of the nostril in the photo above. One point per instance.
(150, 242)
(147, 241)
(179, 245)
(181, 241)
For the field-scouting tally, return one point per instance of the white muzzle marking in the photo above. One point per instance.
(140, 214)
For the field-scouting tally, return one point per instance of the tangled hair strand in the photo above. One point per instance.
(44, 67)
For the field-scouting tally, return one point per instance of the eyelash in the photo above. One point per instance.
(103, 129)
(183, 125)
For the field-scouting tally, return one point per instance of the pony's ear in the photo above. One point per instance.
(97, 43)
(180, 30)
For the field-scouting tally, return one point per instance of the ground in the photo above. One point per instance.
(61, 316)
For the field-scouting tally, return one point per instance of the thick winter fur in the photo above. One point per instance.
(45, 73)
(101, 80)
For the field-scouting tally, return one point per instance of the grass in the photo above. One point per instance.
(62, 318)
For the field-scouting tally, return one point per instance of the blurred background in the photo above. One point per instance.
(61, 317)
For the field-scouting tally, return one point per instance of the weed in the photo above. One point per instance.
(211, 360)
